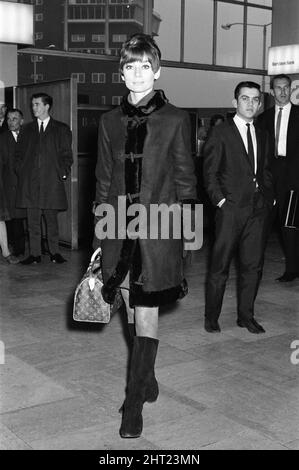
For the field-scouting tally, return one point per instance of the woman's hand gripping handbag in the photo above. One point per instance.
(89, 305)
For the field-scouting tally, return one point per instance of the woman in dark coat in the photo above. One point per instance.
(4, 211)
(144, 159)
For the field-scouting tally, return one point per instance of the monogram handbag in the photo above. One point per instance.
(292, 210)
(89, 305)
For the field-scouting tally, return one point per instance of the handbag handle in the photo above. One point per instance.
(95, 254)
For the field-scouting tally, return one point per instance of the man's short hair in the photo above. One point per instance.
(247, 85)
(46, 99)
(15, 110)
(281, 76)
(136, 47)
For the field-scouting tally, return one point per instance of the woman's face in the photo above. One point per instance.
(139, 76)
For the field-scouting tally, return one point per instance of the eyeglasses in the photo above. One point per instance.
(247, 99)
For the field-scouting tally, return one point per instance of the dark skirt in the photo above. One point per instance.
(131, 263)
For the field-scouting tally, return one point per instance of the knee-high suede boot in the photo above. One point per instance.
(152, 389)
(141, 377)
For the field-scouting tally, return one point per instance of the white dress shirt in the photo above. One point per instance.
(285, 114)
(15, 135)
(45, 122)
(242, 128)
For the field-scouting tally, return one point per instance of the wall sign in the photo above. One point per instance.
(283, 59)
(16, 23)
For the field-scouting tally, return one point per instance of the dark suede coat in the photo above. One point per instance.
(40, 168)
(167, 176)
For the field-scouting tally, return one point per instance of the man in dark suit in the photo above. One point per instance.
(3, 121)
(239, 184)
(44, 159)
(8, 143)
(282, 123)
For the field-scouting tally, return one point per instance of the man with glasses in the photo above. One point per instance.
(3, 121)
(282, 123)
(239, 184)
(8, 144)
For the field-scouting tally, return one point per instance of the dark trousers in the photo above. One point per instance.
(241, 231)
(34, 229)
(16, 235)
(290, 237)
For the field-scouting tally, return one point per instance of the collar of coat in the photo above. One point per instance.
(155, 103)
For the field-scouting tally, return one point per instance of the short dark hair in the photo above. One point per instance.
(46, 99)
(136, 47)
(15, 110)
(281, 76)
(247, 85)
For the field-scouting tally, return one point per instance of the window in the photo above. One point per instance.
(38, 36)
(78, 37)
(119, 38)
(39, 17)
(229, 41)
(167, 27)
(114, 51)
(80, 77)
(198, 47)
(98, 38)
(103, 99)
(37, 77)
(37, 58)
(214, 31)
(98, 77)
(116, 78)
(116, 100)
(258, 37)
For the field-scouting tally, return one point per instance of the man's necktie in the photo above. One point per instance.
(277, 131)
(250, 150)
(41, 129)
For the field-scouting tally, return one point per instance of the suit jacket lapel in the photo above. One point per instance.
(258, 135)
(290, 126)
(49, 126)
(271, 128)
(11, 140)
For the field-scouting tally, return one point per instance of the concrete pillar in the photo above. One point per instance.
(8, 67)
(148, 16)
(285, 20)
(285, 31)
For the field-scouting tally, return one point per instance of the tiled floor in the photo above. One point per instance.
(62, 383)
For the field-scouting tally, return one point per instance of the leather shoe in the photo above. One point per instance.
(31, 260)
(252, 326)
(57, 258)
(11, 259)
(212, 326)
(287, 277)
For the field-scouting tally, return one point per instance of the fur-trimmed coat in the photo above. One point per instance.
(155, 163)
